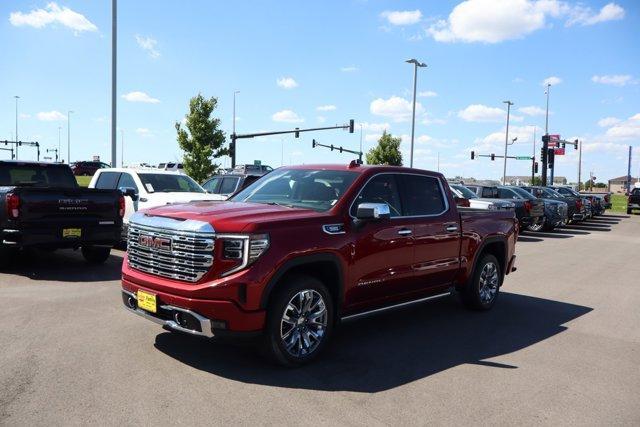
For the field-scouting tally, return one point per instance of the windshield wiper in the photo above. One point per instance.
(279, 204)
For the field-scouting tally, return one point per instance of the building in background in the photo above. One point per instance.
(619, 185)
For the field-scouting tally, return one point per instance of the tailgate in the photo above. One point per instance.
(537, 208)
(44, 204)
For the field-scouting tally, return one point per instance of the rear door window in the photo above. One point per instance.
(489, 192)
(212, 185)
(506, 193)
(421, 195)
(108, 180)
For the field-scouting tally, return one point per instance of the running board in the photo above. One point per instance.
(393, 307)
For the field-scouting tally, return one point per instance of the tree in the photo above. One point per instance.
(536, 180)
(202, 139)
(387, 152)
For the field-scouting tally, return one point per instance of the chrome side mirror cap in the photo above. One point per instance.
(373, 211)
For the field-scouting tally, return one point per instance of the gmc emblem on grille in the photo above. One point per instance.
(160, 243)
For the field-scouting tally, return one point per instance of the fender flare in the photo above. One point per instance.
(485, 242)
(300, 261)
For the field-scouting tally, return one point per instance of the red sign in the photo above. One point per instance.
(558, 151)
(553, 141)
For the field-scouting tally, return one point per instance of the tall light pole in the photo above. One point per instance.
(416, 64)
(59, 131)
(579, 163)
(233, 140)
(114, 99)
(506, 143)
(546, 125)
(234, 110)
(121, 148)
(69, 137)
(16, 97)
(533, 157)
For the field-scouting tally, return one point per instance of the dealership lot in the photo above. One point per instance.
(561, 346)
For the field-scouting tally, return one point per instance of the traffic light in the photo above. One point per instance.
(313, 143)
(535, 167)
(473, 155)
(575, 147)
(493, 156)
(351, 125)
(232, 149)
(297, 133)
(562, 145)
(545, 139)
(551, 155)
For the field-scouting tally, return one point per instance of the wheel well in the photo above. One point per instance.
(498, 250)
(325, 271)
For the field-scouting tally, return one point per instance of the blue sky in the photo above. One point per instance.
(322, 63)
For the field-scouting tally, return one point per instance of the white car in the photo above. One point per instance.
(478, 203)
(148, 188)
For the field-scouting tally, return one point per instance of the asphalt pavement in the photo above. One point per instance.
(561, 347)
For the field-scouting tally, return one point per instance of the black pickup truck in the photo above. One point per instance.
(633, 202)
(42, 207)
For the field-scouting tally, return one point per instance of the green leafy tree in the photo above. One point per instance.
(387, 152)
(200, 138)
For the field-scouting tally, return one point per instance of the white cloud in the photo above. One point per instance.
(138, 96)
(287, 82)
(349, 69)
(628, 129)
(494, 21)
(287, 116)
(402, 17)
(482, 113)
(326, 108)
(614, 80)
(585, 16)
(396, 108)
(608, 122)
(552, 80)
(51, 116)
(532, 111)
(148, 44)
(374, 127)
(427, 94)
(52, 14)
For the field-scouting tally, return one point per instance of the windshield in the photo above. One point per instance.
(310, 189)
(550, 194)
(567, 191)
(168, 183)
(36, 176)
(522, 193)
(466, 193)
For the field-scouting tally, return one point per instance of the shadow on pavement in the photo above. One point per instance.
(614, 216)
(564, 230)
(64, 265)
(392, 349)
(525, 239)
(588, 227)
(550, 235)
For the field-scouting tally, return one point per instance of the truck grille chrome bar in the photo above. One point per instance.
(179, 250)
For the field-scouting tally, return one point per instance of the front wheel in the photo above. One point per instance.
(482, 291)
(96, 254)
(299, 321)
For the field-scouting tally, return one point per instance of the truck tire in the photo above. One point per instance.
(96, 254)
(299, 321)
(483, 289)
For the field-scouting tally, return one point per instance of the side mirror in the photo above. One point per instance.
(129, 191)
(373, 211)
(461, 202)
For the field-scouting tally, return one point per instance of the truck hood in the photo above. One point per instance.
(233, 217)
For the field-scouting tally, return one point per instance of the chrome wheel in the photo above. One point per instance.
(303, 323)
(489, 279)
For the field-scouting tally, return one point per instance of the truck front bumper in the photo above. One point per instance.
(206, 318)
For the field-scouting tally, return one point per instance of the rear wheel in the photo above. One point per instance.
(482, 291)
(96, 254)
(299, 321)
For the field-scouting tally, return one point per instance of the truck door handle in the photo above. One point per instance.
(404, 232)
(451, 228)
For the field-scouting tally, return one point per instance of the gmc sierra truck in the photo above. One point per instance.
(42, 206)
(305, 247)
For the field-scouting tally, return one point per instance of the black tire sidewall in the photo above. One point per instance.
(473, 290)
(277, 304)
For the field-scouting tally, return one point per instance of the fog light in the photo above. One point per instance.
(218, 324)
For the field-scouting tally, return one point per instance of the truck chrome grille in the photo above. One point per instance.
(174, 254)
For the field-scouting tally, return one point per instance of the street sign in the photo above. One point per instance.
(558, 151)
(257, 162)
(554, 141)
(523, 158)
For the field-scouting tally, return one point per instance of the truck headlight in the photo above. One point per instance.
(241, 250)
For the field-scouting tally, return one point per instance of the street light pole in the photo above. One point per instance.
(533, 158)
(121, 148)
(114, 99)
(579, 164)
(69, 137)
(506, 143)
(16, 97)
(416, 64)
(59, 130)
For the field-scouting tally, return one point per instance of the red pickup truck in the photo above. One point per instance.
(305, 247)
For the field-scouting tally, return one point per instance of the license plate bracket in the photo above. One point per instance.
(147, 301)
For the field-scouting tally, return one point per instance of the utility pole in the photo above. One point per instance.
(69, 137)
(114, 98)
(59, 131)
(233, 133)
(629, 171)
(416, 64)
(506, 143)
(579, 164)
(533, 158)
(121, 148)
(16, 97)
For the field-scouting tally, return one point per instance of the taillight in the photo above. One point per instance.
(527, 206)
(13, 205)
(121, 206)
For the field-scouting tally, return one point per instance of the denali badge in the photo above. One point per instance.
(160, 243)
